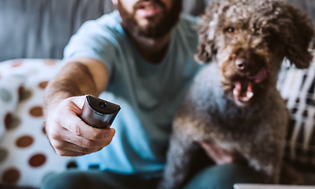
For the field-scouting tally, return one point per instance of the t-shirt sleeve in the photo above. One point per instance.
(93, 41)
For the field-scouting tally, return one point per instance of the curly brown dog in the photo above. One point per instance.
(234, 101)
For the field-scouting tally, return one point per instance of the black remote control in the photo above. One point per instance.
(98, 113)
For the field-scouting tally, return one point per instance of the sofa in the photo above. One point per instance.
(33, 34)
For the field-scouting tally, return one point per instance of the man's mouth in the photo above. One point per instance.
(148, 9)
(243, 88)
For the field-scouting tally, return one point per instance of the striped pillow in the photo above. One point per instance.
(297, 87)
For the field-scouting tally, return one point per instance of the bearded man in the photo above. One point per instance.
(140, 57)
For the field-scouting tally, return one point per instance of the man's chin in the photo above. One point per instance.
(155, 26)
(147, 22)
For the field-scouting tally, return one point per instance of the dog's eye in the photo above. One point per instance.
(230, 29)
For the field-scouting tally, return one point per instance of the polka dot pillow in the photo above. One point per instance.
(26, 156)
(10, 87)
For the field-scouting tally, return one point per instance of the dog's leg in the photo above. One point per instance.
(179, 157)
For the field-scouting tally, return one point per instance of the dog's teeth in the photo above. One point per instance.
(235, 92)
(249, 94)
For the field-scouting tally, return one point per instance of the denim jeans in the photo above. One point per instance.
(212, 177)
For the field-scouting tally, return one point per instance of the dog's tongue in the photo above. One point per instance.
(259, 77)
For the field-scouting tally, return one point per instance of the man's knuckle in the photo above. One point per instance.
(61, 153)
(59, 145)
(87, 144)
(90, 150)
(55, 135)
(96, 135)
(76, 129)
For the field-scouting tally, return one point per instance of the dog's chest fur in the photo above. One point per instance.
(212, 115)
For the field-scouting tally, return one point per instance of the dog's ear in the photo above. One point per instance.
(299, 38)
(206, 45)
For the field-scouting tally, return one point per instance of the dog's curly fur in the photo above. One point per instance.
(234, 101)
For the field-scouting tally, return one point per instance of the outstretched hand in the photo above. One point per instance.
(69, 135)
(219, 155)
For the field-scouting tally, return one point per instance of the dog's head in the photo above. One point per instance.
(249, 40)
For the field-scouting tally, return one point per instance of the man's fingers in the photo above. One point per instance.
(74, 124)
(87, 143)
(75, 145)
(78, 101)
(69, 153)
(69, 135)
(209, 151)
(216, 153)
(69, 119)
(64, 135)
(66, 146)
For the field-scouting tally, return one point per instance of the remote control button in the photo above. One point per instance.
(102, 105)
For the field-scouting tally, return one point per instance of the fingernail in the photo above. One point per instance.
(109, 132)
(113, 130)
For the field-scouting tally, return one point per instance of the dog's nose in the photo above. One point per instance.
(241, 64)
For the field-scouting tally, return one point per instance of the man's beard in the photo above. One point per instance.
(152, 30)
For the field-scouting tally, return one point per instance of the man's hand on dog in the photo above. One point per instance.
(69, 135)
(219, 155)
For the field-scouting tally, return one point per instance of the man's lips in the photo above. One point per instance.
(148, 9)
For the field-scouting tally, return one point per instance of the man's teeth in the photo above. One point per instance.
(150, 7)
(249, 94)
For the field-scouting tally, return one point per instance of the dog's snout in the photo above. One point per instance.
(241, 64)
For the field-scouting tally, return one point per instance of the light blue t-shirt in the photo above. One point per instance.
(148, 94)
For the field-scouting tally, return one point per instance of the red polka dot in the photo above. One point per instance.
(3, 154)
(11, 175)
(37, 160)
(14, 122)
(24, 141)
(7, 120)
(43, 84)
(26, 94)
(20, 92)
(50, 62)
(36, 111)
(44, 129)
(17, 63)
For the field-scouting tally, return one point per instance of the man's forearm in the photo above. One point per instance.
(75, 79)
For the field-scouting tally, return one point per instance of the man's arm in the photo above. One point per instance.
(63, 101)
(79, 76)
